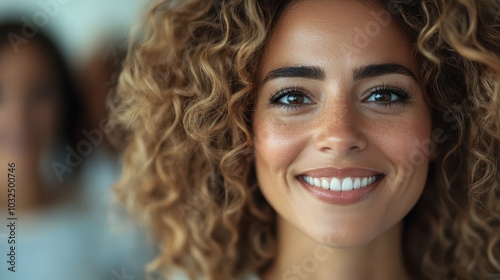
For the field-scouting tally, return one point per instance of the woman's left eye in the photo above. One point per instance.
(387, 96)
(383, 96)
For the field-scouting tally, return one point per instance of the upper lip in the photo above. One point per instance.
(329, 172)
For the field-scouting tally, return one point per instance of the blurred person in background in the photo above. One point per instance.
(55, 235)
(39, 111)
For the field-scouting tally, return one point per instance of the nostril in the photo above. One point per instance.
(340, 146)
(340, 139)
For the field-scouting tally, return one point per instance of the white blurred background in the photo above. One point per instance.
(78, 25)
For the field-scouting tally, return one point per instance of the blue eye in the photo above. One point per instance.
(383, 97)
(291, 98)
(388, 96)
(294, 98)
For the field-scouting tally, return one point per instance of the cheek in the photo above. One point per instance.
(405, 140)
(407, 145)
(47, 120)
(276, 144)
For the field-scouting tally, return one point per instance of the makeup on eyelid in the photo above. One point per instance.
(298, 94)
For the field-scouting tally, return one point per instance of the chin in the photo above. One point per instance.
(343, 230)
(342, 239)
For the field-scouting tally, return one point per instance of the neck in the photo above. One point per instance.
(300, 258)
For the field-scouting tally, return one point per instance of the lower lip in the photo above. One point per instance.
(342, 197)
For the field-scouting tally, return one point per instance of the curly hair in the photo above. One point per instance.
(182, 108)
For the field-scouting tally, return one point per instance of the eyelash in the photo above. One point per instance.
(285, 91)
(403, 95)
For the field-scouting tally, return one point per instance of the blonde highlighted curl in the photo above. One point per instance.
(183, 106)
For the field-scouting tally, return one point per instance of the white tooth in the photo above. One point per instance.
(347, 184)
(373, 179)
(370, 180)
(325, 184)
(317, 183)
(364, 182)
(304, 178)
(309, 180)
(357, 183)
(335, 185)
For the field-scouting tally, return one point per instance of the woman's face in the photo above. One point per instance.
(340, 121)
(29, 102)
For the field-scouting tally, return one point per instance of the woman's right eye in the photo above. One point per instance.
(291, 98)
(294, 98)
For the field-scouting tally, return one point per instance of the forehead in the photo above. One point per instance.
(30, 62)
(328, 33)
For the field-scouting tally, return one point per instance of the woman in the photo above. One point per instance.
(316, 139)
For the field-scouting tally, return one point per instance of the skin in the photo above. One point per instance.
(339, 125)
(29, 116)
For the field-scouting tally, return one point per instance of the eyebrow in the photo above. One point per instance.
(310, 72)
(316, 73)
(375, 70)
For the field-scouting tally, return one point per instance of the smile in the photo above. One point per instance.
(343, 186)
(340, 184)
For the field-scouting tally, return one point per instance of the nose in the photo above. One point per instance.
(339, 132)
